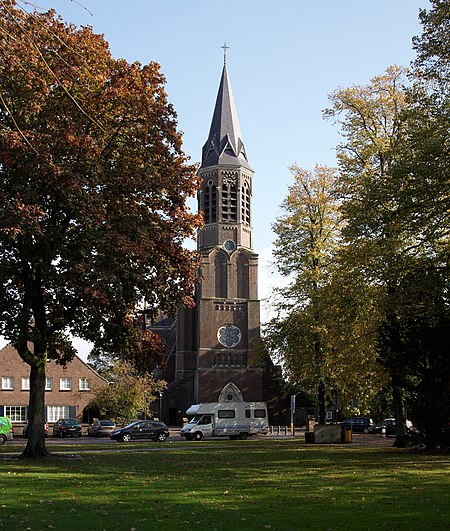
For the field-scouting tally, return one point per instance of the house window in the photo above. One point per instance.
(25, 384)
(7, 383)
(48, 384)
(65, 384)
(16, 413)
(84, 384)
(57, 412)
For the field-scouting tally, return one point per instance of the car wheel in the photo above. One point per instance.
(198, 435)
(243, 436)
(2, 439)
(161, 437)
(126, 437)
(366, 430)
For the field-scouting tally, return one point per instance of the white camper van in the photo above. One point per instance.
(236, 420)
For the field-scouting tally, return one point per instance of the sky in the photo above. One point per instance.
(284, 58)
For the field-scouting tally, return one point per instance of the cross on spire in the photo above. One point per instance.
(225, 48)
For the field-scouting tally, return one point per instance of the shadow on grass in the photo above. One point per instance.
(240, 486)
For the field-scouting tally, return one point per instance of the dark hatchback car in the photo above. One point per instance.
(388, 427)
(142, 429)
(358, 424)
(67, 428)
(381, 427)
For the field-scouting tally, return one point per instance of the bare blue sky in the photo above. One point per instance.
(285, 57)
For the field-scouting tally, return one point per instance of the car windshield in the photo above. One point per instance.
(131, 425)
(71, 422)
(195, 419)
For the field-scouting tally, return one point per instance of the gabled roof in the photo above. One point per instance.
(225, 145)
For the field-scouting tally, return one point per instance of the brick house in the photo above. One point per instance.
(68, 389)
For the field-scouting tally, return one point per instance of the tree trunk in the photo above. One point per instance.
(36, 418)
(400, 441)
(321, 396)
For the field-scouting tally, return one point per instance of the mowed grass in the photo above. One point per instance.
(223, 485)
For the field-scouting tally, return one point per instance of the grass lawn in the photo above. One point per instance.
(223, 485)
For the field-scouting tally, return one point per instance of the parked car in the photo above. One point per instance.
(67, 428)
(142, 429)
(358, 424)
(387, 427)
(25, 430)
(101, 427)
(390, 428)
(6, 430)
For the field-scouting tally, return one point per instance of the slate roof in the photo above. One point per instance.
(225, 145)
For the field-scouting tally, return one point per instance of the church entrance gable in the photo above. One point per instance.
(230, 393)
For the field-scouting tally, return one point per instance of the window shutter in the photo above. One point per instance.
(2, 411)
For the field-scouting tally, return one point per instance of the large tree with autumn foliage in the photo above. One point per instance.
(93, 188)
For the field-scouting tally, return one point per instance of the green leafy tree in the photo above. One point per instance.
(93, 188)
(415, 338)
(128, 393)
(352, 318)
(392, 173)
(375, 238)
(426, 162)
(307, 235)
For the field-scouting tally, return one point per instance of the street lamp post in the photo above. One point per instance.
(160, 406)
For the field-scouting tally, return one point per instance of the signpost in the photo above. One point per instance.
(292, 414)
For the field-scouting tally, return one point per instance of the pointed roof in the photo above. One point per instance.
(225, 144)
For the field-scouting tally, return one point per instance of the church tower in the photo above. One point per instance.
(214, 340)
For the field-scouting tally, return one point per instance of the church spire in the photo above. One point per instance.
(224, 145)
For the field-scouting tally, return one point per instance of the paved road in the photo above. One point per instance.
(358, 439)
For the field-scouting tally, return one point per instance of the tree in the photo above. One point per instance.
(427, 162)
(374, 236)
(307, 236)
(128, 393)
(433, 46)
(393, 201)
(352, 316)
(415, 339)
(93, 188)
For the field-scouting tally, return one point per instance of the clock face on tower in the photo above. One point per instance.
(229, 335)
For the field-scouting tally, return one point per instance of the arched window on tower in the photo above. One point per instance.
(209, 206)
(229, 201)
(242, 265)
(245, 203)
(221, 275)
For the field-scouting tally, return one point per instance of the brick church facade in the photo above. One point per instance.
(209, 348)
